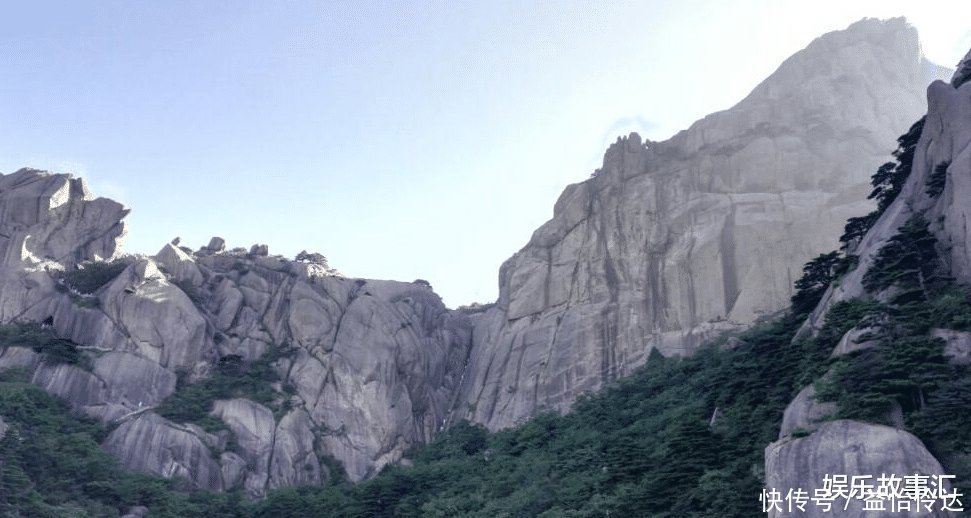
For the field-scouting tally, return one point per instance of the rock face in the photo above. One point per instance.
(849, 447)
(667, 245)
(367, 368)
(945, 141)
(672, 242)
(804, 413)
(846, 448)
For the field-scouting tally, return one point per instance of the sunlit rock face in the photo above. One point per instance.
(370, 366)
(852, 449)
(669, 244)
(672, 242)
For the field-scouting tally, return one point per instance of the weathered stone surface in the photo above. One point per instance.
(3, 427)
(233, 469)
(216, 244)
(52, 217)
(846, 448)
(132, 380)
(856, 339)
(179, 264)
(18, 358)
(158, 318)
(946, 139)
(673, 242)
(294, 461)
(151, 444)
(254, 427)
(854, 448)
(957, 347)
(804, 412)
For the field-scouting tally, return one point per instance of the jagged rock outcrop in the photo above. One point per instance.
(151, 444)
(367, 368)
(55, 217)
(669, 244)
(672, 242)
(804, 413)
(846, 448)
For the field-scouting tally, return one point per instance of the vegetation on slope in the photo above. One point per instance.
(680, 437)
(231, 378)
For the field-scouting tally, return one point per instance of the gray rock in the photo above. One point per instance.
(18, 358)
(254, 428)
(945, 140)
(3, 427)
(216, 244)
(957, 348)
(179, 264)
(160, 321)
(846, 448)
(233, 469)
(856, 339)
(804, 412)
(294, 461)
(132, 380)
(672, 243)
(151, 444)
(63, 221)
(259, 250)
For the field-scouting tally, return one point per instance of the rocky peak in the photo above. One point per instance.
(963, 72)
(673, 242)
(54, 217)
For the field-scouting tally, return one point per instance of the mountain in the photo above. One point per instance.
(908, 265)
(363, 369)
(672, 243)
(236, 369)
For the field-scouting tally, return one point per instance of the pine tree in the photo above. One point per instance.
(817, 274)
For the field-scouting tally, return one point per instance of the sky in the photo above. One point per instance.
(402, 140)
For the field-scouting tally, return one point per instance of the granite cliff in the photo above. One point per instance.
(674, 242)
(369, 366)
(668, 244)
(861, 448)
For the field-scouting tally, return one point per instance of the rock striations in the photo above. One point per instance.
(668, 244)
(370, 367)
(672, 242)
(856, 448)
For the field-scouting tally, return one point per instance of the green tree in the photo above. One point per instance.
(817, 275)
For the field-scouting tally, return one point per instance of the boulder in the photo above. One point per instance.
(180, 265)
(154, 445)
(846, 448)
(804, 413)
(957, 348)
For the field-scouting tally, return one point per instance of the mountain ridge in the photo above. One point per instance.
(599, 287)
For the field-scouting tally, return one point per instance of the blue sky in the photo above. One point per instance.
(422, 140)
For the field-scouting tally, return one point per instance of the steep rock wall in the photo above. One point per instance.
(673, 242)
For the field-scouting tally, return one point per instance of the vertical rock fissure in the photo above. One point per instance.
(729, 271)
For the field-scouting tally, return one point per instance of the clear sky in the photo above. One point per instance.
(402, 140)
